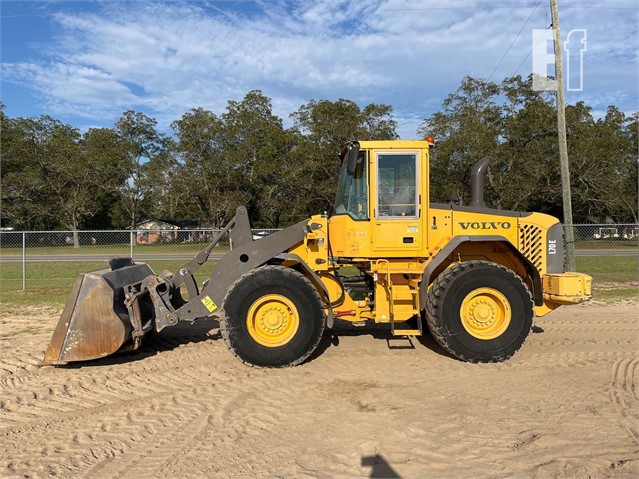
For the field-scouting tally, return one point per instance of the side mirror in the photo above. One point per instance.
(351, 157)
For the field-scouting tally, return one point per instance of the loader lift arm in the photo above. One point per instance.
(240, 260)
(110, 310)
(186, 273)
(164, 291)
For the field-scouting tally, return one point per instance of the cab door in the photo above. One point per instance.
(396, 203)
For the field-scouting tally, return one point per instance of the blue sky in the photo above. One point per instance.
(85, 62)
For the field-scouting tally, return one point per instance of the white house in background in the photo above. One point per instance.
(160, 231)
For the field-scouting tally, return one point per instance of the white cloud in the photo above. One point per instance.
(88, 90)
(165, 58)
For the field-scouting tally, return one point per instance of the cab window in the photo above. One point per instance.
(352, 191)
(397, 185)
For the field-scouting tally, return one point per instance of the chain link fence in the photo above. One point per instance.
(31, 260)
(41, 260)
(610, 254)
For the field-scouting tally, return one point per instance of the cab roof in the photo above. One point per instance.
(393, 144)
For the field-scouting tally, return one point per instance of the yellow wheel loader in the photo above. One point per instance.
(476, 275)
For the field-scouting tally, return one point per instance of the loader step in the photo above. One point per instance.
(406, 332)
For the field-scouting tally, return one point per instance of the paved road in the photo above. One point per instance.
(102, 257)
(188, 256)
(607, 252)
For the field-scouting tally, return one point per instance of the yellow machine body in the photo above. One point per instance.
(396, 250)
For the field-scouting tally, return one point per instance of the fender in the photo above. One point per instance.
(244, 256)
(447, 250)
(316, 279)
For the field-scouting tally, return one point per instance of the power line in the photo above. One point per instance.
(261, 12)
(527, 56)
(532, 49)
(514, 40)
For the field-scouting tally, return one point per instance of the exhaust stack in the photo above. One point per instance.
(477, 183)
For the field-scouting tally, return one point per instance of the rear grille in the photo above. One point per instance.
(530, 244)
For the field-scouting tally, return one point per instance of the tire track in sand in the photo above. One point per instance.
(89, 414)
(189, 411)
(163, 441)
(100, 382)
(623, 393)
(107, 433)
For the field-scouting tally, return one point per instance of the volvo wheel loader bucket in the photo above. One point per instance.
(95, 321)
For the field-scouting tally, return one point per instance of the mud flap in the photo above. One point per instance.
(95, 321)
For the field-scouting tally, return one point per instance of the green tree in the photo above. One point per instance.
(243, 157)
(257, 145)
(629, 169)
(466, 130)
(53, 175)
(24, 197)
(205, 183)
(606, 172)
(104, 152)
(326, 126)
(144, 148)
(517, 128)
(80, 170)
(162, 200)
(525, 173)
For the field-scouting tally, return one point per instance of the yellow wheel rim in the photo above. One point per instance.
(272, 320)
(485, 313)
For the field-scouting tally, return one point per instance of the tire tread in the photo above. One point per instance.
(294, 275)
(434, 308)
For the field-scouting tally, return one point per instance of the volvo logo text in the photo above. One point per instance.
(485, 225)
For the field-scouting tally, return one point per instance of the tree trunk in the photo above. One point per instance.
(76, 238)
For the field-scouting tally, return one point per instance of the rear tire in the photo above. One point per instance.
(479, 311)
(274, 317)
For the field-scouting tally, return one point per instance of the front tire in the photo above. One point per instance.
(479, 311)
(274, 317)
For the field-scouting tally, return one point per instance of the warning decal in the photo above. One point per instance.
(209, 304)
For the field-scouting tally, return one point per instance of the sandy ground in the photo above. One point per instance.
(366, 405)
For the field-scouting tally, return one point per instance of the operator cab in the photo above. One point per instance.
(397, 174)
(378, 209)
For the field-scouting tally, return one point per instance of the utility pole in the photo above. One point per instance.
(563, 145)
